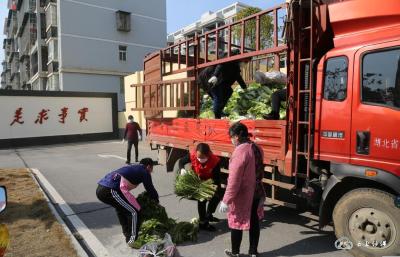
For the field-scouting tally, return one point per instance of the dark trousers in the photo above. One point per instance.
(128, 216)
(276, 99)
(128, 154)
(220, 95)
(254, 233)
(205, 212)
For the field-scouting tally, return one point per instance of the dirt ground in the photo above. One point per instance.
(34, 231)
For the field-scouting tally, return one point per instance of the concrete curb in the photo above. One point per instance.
(54, 199)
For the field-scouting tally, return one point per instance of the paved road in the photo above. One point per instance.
(74, 169)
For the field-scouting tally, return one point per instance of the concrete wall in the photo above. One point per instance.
(44, 117)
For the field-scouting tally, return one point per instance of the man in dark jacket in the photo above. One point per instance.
(131, 134)
(114, 189)
(219, 83)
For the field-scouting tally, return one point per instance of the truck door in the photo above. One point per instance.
(334, 109)
(375, 128)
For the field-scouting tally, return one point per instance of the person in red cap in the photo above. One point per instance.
(207, 166)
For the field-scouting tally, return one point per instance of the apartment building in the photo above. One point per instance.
(79, 45)
(208, 21)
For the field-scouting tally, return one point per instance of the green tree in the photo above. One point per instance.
(266, 28)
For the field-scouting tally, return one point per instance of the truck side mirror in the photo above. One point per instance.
(3, 198)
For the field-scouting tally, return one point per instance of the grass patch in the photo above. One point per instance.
(34, 231)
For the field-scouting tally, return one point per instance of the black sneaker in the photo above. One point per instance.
(211, 218)
(136, 160)
(230, 254)
(127, 162)
(207, 227)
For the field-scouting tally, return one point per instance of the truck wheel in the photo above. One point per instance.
(370, 220)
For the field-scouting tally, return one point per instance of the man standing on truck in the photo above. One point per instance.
(219, 85)
(266, 79)
(131, 134)
(207, 166)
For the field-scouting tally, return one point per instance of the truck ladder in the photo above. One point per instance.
(305, 92)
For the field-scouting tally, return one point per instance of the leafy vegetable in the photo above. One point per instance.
(252, 103)
(190, 186)
(155, 223)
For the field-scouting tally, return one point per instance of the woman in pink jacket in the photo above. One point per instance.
(245, 195)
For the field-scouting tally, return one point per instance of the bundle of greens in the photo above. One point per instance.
(155, 224)
(252, 103)
(190, 186)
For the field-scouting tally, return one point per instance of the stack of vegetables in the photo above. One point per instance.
(190, 186)
(252, 103)
(155, 223)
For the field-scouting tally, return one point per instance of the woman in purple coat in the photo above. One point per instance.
(245, 195)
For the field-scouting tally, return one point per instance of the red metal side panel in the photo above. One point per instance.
(186, 133)
(271, 136)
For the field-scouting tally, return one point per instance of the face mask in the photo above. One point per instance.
(202, 160)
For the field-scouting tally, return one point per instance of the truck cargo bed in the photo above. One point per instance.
(185, 133)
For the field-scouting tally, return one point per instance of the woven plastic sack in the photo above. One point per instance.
(272, 77)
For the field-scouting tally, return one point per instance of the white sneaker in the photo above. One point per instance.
(230, 254)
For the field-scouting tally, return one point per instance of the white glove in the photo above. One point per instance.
(123, 141)
(213, 80)
(183, 172)
(223, 207)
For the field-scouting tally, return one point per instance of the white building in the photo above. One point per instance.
(80, 45)
(208, 21)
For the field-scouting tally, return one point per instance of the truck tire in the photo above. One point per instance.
(367, 215)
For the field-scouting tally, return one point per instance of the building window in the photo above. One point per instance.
(121, 85)
(123, 21)
(335, 86)
(381, 78)
(122, 53)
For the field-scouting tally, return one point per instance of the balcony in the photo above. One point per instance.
(53, 50)
(5, 28)
(52, 67)
(24, 69)
(4, 64)
(51, 32)
(53, 82)
(34, 64)
(15, 63)
(28, 34)
(15, 82)
(3, 79)
(51, 15)
(13, 22)
(8, 77)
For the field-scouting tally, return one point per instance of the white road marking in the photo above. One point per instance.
(111, 156)
(91, 240)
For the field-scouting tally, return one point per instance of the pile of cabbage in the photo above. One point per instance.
(252, 103)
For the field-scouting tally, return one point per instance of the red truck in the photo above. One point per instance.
(338, 150)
